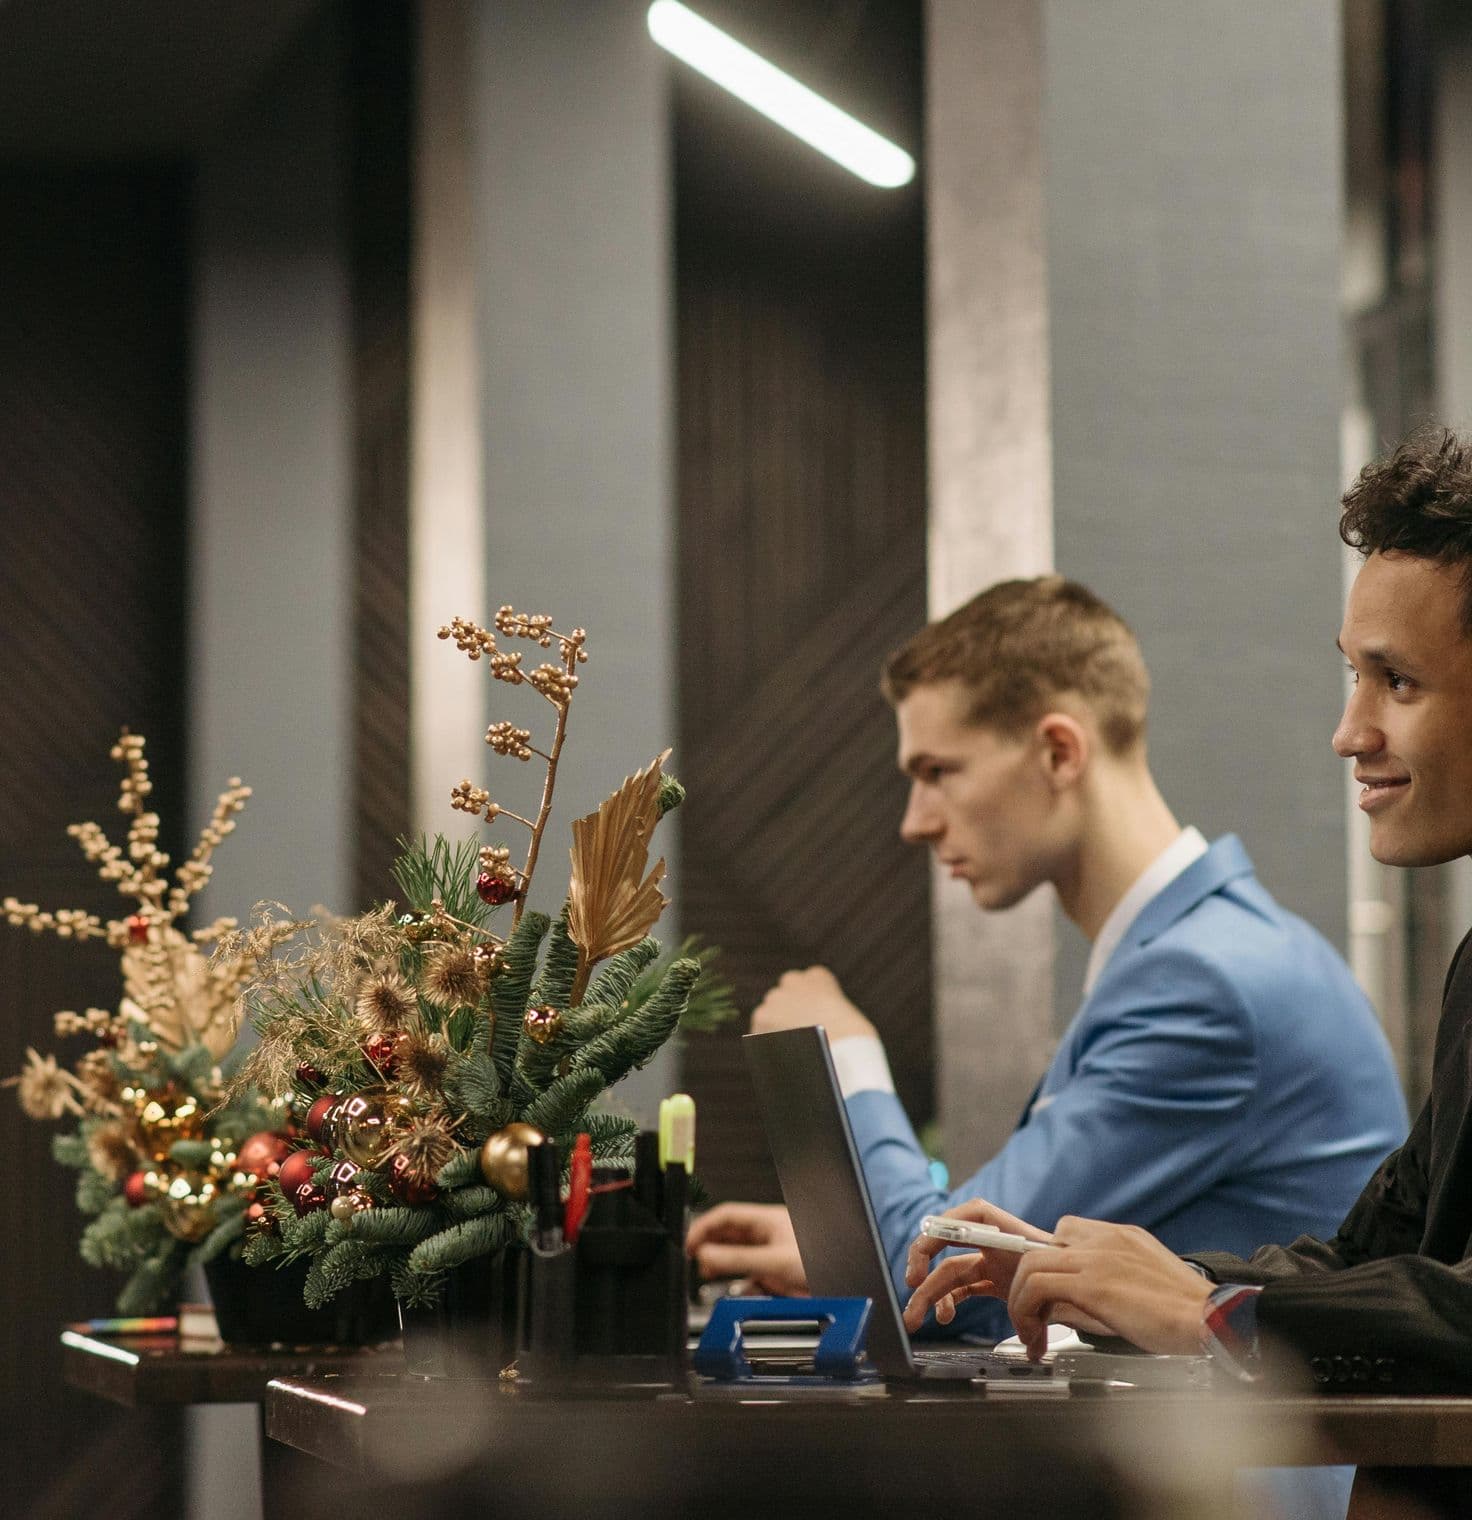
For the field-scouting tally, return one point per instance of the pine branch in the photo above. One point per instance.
(613, 982)
(336, 1268)
(559, 968)
(611, 1134)
(470, 1202)
(558, 1109)
(220, 1239)
(474, 1080)
(511, 988)
(712, 998)
(464, 1242)
(636, 1037)
(459, 1169)
(426, 871)
(120, 1237)
(304, 1235)
(416, 1290)
(94, 1192)
(394, 1227)
(152, 1284)
(70, 1150)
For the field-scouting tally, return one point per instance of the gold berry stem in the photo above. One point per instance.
(545, 811)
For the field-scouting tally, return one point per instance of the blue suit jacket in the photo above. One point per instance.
(1225, 1084)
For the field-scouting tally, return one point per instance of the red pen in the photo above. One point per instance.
(579, 1184)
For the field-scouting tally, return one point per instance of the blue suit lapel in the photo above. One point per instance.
(1225, 861)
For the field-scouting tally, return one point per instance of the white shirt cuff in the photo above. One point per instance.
(861, 1065)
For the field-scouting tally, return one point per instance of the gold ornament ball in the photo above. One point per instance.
(503, 1159)
(162, 1118)
(542, 1024)
(368, 1123)
(346, 1205)
(188, 1206)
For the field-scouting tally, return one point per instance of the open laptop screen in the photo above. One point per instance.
(823, 1184)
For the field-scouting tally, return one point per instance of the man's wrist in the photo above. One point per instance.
(1229, 1329)
(861, 1065)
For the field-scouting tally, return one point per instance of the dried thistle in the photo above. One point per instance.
(421, 1062)
(45, 1091)
(385, 1001)
(425, 1147)
(111, 1151)
(452, 977)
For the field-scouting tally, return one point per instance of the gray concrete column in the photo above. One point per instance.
(990, 500)
(570, 183)
(1194, 235)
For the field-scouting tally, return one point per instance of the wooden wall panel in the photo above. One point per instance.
(801, 560)
(92, 450)
(381, 67)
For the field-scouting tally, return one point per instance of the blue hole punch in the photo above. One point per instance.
(838, 1356)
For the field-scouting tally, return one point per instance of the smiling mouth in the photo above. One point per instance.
(1377, 789)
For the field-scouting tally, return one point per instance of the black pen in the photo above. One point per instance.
(544, 1178)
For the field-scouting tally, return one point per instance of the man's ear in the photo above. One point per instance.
(1064, 748)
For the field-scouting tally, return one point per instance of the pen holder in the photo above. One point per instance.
(612, 1307)
(476, 1327)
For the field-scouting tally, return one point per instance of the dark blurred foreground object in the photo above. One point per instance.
(261, 1306)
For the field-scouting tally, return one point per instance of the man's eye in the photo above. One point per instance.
(1397, 682)
(1354, 675)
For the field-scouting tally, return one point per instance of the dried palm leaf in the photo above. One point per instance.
(611, 903)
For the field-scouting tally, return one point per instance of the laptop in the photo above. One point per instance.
(823, 1186)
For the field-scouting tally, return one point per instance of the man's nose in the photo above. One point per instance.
(1356, 733)
(918, 824)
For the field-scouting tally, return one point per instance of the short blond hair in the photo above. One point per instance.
(1020, 645)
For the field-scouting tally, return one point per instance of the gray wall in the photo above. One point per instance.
(570, 189)
(270, 664)
(1193, 192)
(269, 556)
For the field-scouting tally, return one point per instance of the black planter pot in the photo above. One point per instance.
(475, 1329)
(262, 1306)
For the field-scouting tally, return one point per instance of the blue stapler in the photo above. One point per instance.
(837, 1357)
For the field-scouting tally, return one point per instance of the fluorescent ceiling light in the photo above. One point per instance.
(778, 96)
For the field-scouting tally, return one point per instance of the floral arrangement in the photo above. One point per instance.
(428, 1048)
(167, 1173)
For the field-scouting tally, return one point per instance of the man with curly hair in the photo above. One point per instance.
(1385, 1303)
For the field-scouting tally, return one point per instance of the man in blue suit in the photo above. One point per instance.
(1225, 1081)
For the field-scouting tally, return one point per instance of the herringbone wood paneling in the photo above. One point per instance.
(92, 459)
(380, 74)
(801, 564)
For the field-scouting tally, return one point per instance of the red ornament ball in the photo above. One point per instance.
(136, 1189)
(298, 1183)
(308, 1075)
(382, 1051)
(318, 1119)
(262, 1154)
(494, 890)
(137, 929)
(408, 1188)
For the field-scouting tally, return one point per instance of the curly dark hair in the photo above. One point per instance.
(1417, 500)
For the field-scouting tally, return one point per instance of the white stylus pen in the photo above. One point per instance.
(987, 1237)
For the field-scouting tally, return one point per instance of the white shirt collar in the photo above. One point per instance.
(1184, 850)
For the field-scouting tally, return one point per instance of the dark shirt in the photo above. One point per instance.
(1385, 1306)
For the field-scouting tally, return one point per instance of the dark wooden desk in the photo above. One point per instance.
(162, 1370)
(139, 1370)
(446, 1449)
